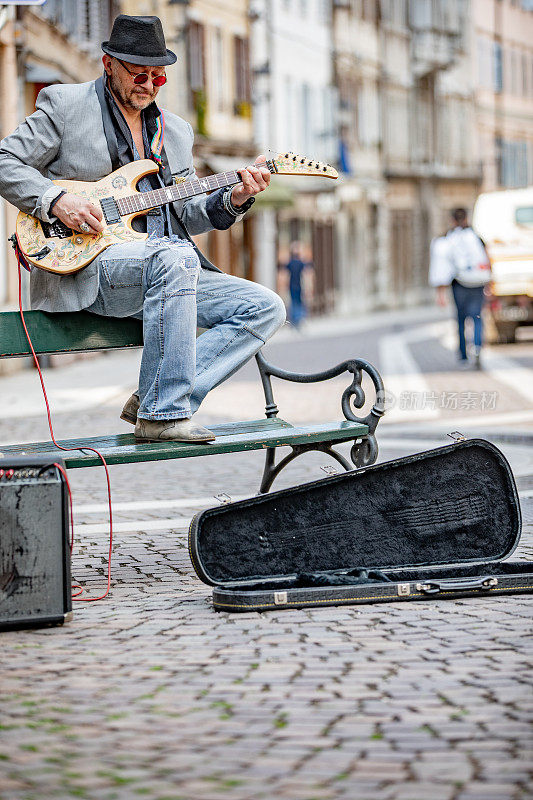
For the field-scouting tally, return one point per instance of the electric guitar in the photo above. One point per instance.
(57, 248)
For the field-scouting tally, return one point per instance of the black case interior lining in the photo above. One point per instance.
(454, 505)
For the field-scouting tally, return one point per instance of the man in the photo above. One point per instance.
(295, 269)
(460, 260)
(84, 132)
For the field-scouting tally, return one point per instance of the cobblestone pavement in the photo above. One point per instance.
(150, 693)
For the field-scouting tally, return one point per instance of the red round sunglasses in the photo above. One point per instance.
(142, 77)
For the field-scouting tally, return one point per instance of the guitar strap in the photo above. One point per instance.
(109, 128)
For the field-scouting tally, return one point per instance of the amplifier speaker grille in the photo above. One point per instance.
(35, 585)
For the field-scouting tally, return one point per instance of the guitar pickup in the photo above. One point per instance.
(56, 230)
(110, 210)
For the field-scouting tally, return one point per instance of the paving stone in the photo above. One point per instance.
(404, 701)
(423, 791)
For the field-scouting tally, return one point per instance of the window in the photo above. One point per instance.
(512, 159)
(218, 67)
(289, 100)
(400, 12)
(369, 10)
(87, 20)
(306, 132)
(397, 127)
(324, 10)
(484, 63)
(196, 70)
(368, 116)
(242, 76)
(196, 47)
(515, 82)
(498, 67)
(524, 216)
(394, 12)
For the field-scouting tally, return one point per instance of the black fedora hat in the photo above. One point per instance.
(139, 40)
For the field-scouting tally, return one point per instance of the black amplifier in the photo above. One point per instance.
(35, 586)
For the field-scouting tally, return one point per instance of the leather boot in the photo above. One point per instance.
(172, 430)
(129, 412)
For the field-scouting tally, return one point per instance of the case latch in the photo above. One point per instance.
(329, 469)
(457, 436)
(222, 498)
(280, 598)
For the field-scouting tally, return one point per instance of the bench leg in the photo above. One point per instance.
(364, 452)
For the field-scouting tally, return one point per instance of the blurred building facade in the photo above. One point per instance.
(406, 118)
(58, 42)
(419, 103)
(295, 109)
(502, 48)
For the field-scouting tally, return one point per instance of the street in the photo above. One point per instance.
(151, 693)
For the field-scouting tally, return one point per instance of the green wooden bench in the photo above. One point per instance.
(81, 332)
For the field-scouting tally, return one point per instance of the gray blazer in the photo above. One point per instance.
(65, 138)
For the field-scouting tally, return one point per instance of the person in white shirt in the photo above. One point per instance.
(460, 260)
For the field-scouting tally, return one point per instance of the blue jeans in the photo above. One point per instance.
(469, 302)
(297, 311)
(160, 281)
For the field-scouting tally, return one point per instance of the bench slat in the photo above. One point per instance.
(233, 437)
(69, 332)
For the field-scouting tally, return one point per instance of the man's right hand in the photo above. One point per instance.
(74, 210)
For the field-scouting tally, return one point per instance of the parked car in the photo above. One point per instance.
(504, 220)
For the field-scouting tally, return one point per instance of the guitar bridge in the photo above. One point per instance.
(110, 210)
(56, 230)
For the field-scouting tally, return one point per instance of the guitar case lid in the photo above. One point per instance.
(455, 505)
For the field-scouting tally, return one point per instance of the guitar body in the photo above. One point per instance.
(72, 253)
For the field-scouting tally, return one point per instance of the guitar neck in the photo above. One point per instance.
(144, 201)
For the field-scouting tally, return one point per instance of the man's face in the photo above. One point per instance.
(121, 75)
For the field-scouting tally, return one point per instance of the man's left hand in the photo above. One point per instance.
(255, 179)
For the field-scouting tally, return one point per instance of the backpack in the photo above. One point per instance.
(469, 258)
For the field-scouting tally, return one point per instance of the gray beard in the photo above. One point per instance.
(117, 90)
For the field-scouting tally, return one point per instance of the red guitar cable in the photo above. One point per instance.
(20, 262)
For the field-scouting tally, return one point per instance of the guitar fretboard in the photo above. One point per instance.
(143, 201)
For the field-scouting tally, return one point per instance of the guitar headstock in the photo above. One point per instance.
(294, 164)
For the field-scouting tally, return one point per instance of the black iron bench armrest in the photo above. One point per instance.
(354, 393)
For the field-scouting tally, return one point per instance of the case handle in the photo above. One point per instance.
(458, 584)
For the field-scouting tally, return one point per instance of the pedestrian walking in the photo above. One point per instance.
(298, 270)
(460, 260)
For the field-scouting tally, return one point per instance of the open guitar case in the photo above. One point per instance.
(437, 524)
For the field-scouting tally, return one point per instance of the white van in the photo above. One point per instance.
(504, 220)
